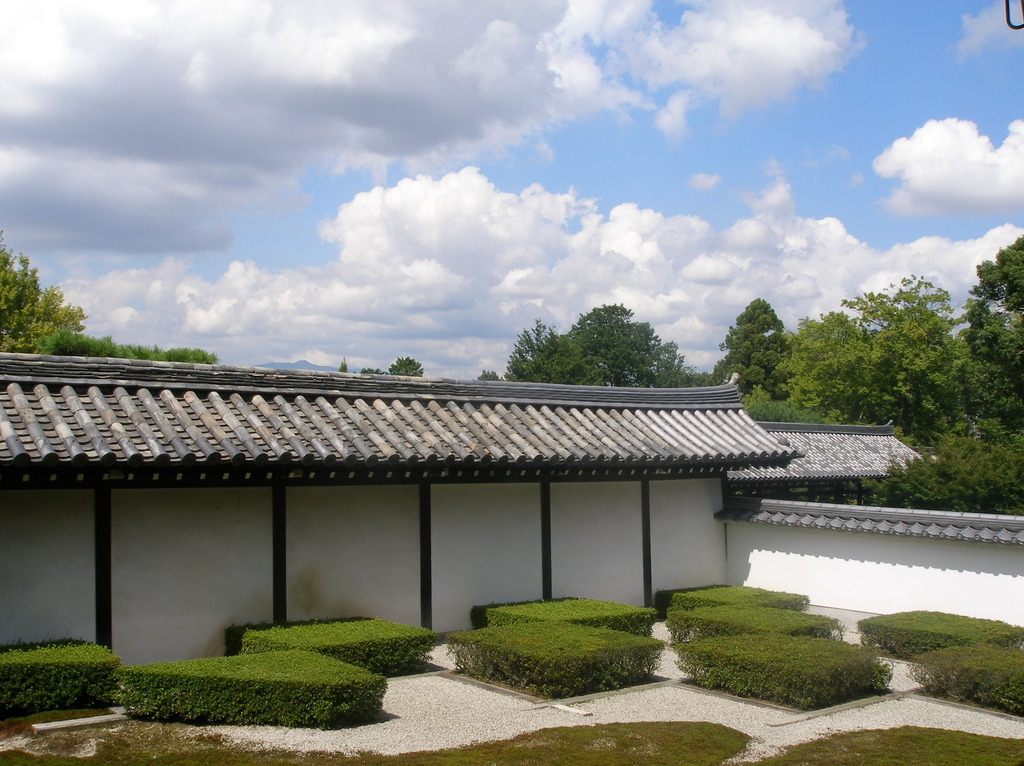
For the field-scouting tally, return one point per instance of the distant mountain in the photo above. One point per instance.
(302, 364)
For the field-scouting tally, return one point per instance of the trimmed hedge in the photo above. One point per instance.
(727, 595)
(56, 675)
(388, 648)
(637, 620)
(906, 634)
(288, 688)
(708, 621)
(986, 675)
(555, 659)
(806, 673)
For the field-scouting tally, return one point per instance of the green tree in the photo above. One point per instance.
(780, 411)
(488, 375)
(406, 365)
(542, 355)
(29, 312)
(963, 474)
(994, 374)
(343, 365)
(605, 347)
(895, 359)
(756, 345)
(372, 371)
(67, 343)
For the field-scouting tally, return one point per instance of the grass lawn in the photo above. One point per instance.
(652, 744)
(906, 746)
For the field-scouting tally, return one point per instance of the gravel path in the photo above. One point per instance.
(433, 712)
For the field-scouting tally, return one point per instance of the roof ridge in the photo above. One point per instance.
(749, 504)
(194, 376)
(825, 428)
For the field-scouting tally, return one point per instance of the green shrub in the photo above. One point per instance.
(56, 675)
(478, 613)
(288, 688)
(907, 634)
(805, 673)
(720, 595)
(637, 620)
(987, 675)
(377, 645)
(555, 659)
(708, 621)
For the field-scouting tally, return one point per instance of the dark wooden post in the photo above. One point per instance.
(103, 567)
(426, 563)
(279, 537)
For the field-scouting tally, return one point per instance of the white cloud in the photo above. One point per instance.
(988, 31)
(449, 270)
(704, 181)
(948, 168)
(137, 126)
(746, 54)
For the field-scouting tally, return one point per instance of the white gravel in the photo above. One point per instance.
(433, 712)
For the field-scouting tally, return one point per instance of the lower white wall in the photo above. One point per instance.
(485, 548)
(186, 563)
(596, 541)
(687, 543)
(880, 573)
(46, 565)
(354, 552)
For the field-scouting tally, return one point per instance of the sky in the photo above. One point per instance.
(278, 180)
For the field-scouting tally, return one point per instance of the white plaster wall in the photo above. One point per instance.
(186, 563)
(354, 551)
(878, 573)
(687, 543)
(47, 571)
(485, 548)
(596, 541)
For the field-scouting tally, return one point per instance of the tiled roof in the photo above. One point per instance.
(940, 525)
(830, 452)
(67, 411)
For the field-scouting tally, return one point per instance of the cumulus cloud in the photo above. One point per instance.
(987, 30)
(948, 168)
(450, 269)
(747, 54)
(137, 126)
(704, 181)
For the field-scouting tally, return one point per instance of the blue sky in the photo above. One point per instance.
(275, 181)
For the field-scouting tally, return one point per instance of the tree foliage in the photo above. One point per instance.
(605, 347)
(406, 365)
(780, 411)
(756, 345)
(893, 358)
(995, 340)
(964, 474)
(542, 355)
(67, 343)
(28, 311)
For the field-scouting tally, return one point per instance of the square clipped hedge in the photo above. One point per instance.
(906, 634)
(388, 648)
(555, 659)
(806, 673)
(56, 675)
(288, 688)
(990, 676)
(731, 595)
(637, 620)
(708, 621)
